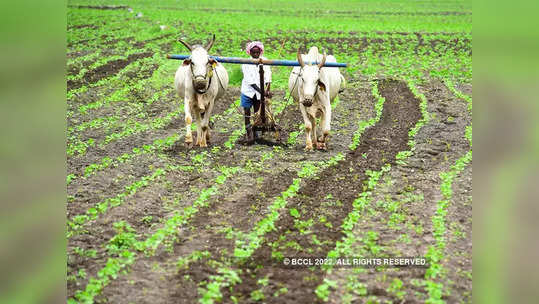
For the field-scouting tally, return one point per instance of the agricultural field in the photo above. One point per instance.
(152, 221)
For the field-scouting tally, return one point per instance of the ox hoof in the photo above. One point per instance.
(189, 144)
(321, 146)
(308, 148)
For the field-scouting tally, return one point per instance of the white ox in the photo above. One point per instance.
(200, 80)
(315, 87)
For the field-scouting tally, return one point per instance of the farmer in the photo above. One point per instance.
(250, 88)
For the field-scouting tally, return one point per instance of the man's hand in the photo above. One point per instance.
(254, 86)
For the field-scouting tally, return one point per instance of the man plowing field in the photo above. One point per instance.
(251, 89)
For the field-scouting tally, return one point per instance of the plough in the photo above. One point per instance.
(263, 118)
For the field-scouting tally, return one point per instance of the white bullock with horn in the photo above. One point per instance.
(200, 80)
(315, 87)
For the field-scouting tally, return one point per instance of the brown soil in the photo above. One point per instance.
(439, 144)
(233, 204)
(344, 181)
(80, 26)
(106, 70)
(244, 198)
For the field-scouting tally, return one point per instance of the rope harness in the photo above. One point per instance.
(209, 74)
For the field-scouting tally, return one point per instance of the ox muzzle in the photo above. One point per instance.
(308, 101)
(200, 83)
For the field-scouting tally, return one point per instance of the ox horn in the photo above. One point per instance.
(210, 44)
(187, 45)
(321, 64)
(300, 60)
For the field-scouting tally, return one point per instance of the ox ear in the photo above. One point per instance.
(321, 85)
(212, 60)
(187, 62)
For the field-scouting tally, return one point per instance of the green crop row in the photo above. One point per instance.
(123, 94)
(101, 61)
(344, 247)
(108, 81)
(112, 268)
(198, 160)
(425, 117)
(151, 47)
(227, 276)
(307, 8)
(181, 218)
(135, 128)
(99, 122)
(134, 108)
(77, 222)
(378, 107)
(126, 253)
(83, 61)
(245, 247)
(451, 86)
(435, 253)
(414, 59)
(158, 145)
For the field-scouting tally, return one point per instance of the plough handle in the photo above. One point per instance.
(262, 94)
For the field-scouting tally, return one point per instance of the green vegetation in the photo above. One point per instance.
(125, 133)
(77, 222)
(123, 246)
(379, 106)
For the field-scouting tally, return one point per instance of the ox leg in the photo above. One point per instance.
(205, 126)
(188, 122)
(325, 122)
(199, 127)
(313, 130)
(308, 128)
